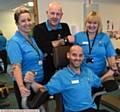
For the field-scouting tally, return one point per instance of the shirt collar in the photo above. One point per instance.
(73, 72)
(59, 26)
(18, 34)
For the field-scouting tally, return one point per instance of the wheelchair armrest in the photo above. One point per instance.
(38, 99)
(110, 85)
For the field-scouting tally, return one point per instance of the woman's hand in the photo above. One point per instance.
(28, 79)
(24, 91)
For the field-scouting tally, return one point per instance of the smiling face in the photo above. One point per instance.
(92, 25)
(54, 14)
(75, 56)
(24, 23)
(23, 19)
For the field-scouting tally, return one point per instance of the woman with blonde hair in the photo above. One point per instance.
(97, 46)
(24, 53)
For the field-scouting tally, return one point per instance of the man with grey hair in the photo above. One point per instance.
(50, 34)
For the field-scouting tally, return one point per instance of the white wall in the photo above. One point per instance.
(72, 9)
(7, 24)
(109, 11)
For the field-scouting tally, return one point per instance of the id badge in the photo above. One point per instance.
(75, 81)
(40, 62)
(85, 43)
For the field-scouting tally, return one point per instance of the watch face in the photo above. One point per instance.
(59, 36)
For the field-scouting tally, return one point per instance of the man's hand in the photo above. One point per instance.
(35, 86)
(71, 39)
(24, 91)
(59, 42)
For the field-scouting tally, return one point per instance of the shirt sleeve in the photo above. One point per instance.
(110, 51)
(79, 38)
(55, 85)
(94, 79)
(14, 52)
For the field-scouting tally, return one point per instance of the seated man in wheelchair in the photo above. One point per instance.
(74, 82)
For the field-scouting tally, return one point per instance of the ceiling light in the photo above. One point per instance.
(30, 4)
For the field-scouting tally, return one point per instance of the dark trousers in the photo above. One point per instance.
(49, 69)
(18, 95)
(3, 56)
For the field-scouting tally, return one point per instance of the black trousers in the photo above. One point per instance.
(3, 56)
(18, 95)
(49, 68)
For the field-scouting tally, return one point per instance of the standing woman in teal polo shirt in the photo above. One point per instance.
(24, 53)
(97, 46)
(3, 53)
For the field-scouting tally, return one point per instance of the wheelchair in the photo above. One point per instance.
(36, 100)
(39, 98)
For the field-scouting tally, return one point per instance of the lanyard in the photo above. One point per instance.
(90, 47)
(34, 47)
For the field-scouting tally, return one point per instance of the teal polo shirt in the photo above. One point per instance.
(75, 88)
(21, 52)
(101, 50)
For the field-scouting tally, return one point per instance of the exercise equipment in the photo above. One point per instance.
(4, 92)
(36, 98)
